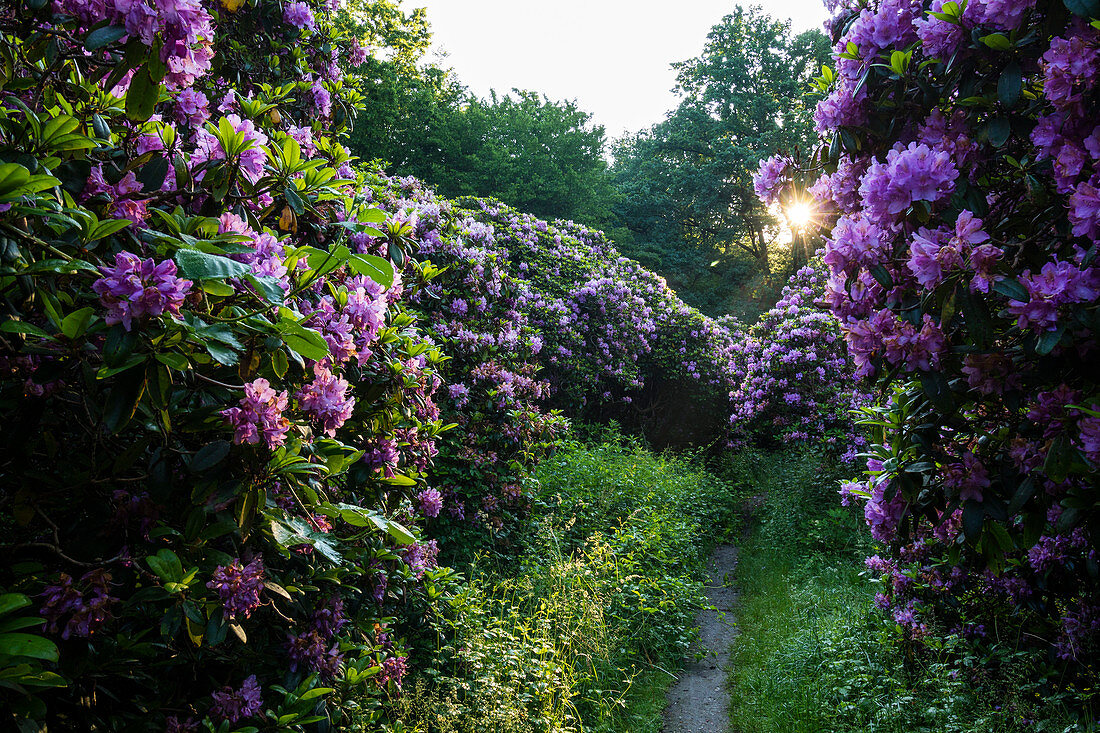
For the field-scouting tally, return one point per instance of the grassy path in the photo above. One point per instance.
(699, 701)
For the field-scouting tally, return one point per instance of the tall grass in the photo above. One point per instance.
(584, 630)
(815, 656)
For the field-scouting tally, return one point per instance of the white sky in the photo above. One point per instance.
(611, 56)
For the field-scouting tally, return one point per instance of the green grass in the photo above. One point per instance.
(583, 628)
(814, 655)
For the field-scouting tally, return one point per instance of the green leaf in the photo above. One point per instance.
(997, 131)
(1048, 340)
(376, 268)
(269, 288)
(166, 564)
(1010, 85)
(209, 456)
(294, 200)
(101, 37)
(76, 323)
(222, 353)
(218, 288)
(197, 265)
(153, 173)
(28, 645)
(173, 360)
(24, 328)
(973, 517)
(12, 178)
(399, 533)
(882, 275)
(107, 228)
(13, 602)
(1012, 289)
(1024, 491)
(279, 363)
(1083, 8)
(304, 341)
(315, 693)
(997, 41)
(123, 399)
(142, 96)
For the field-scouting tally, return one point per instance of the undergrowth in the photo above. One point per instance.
(814, 654)
(584, 630)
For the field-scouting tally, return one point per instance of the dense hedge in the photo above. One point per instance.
(961, 153)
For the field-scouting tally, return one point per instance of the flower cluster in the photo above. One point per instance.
(135, 289)
(260, 415)
(239, 586)
(795, 382)
(87, 605)
(232, 706)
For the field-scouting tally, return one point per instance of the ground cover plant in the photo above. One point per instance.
(961, 168)
(815, 652)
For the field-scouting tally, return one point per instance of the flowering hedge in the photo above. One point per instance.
(617, 343)
(494, 397)
(795, 381)
(219, 407)
(962, 154)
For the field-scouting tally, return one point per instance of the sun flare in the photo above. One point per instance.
(800, 214)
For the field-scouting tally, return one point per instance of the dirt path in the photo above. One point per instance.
(699, 701)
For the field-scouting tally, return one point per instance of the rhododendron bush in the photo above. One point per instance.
(962, 166)
(471, 307)
(220, 406)
(795, 381)
(616, 341)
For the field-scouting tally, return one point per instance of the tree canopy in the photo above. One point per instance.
(685, 186)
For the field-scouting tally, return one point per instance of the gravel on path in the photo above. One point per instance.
(699, 701)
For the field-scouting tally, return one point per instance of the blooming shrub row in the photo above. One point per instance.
(795, 382)
(222, 378)
(961, 145)
(616, 341)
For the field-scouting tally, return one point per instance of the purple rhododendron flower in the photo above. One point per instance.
(430, 502)
(239, 586)
(135, 289)
(769, 179)
(299, 15)
(231, 706)
(325, 399)
(393, 670)
(89, 608)
(260, 415)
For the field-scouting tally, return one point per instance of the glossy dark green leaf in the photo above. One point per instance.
(196, 265)
(221, 353)
(142, 96)
(123, 399)
(882, 276)
(376, 268)
(1048, 340)
(105, 36)
(209, 456)
(1010, 85)
(1011, 288)
(972, 520)
(1083, 8)
(152, 174)
(997, 131)
(28, 645)
(268, 288)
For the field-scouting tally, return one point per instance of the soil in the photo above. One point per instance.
(699, 701)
